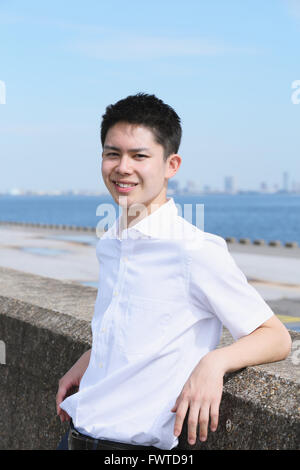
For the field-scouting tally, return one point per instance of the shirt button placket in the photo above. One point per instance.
(116, 294)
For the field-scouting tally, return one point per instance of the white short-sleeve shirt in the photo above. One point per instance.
(165, 290)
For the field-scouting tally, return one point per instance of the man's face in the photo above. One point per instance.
(132, 155)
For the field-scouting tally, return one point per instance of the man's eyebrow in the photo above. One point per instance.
(111, 147)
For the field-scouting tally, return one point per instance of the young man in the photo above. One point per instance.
(165, 290)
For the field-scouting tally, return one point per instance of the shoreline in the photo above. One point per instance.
(245, 242)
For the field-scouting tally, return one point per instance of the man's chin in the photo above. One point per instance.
(133, 206)
(123, 201)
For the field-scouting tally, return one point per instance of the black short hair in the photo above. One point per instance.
(150, 111)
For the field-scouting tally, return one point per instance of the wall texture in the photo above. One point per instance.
(45, 327)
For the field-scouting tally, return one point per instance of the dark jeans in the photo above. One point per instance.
(63, 445)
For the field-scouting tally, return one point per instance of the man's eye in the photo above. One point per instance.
(140, 155)
(111, 154)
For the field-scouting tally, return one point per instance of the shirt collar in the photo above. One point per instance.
(159, 224)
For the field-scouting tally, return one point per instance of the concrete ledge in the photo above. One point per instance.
(259, 408)
(52, 294)
(41, 345)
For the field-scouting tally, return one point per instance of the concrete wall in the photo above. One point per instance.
(45, 327)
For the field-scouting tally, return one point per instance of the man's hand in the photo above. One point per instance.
(66, 386)
(70, 383)
(201, 394)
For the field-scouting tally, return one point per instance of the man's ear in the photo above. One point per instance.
(173, 164)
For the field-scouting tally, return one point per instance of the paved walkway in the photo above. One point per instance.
(274, 271)
(50, 253)
(70, 256)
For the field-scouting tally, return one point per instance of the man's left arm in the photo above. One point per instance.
(202, 393)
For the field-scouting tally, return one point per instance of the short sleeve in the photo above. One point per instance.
(218, 285)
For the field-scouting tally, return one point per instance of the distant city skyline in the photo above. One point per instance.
(230, 186)
(229, 69)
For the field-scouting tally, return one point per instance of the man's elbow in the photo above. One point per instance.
(285, 343)
(282, 341)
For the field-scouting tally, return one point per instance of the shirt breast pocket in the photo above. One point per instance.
(144, 325)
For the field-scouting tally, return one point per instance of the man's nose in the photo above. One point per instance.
(124, 165)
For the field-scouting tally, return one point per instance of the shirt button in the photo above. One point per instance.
(100, 365)
(115, 293)
(103, 330)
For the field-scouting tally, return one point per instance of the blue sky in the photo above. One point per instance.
(227, 68)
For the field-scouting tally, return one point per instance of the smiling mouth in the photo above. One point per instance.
(124, 185)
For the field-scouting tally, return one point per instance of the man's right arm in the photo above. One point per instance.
(69, 381)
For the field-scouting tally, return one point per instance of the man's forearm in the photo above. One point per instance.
(269, 343)
(83, 362)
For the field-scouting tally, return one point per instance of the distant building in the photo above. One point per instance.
(16, 192)
(296, 187)
(264, 187)
(192, 187)
(229, 185)
(206, 188)
(174, 185)
(285, 181)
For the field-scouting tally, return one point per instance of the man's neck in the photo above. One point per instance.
(135, 213)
